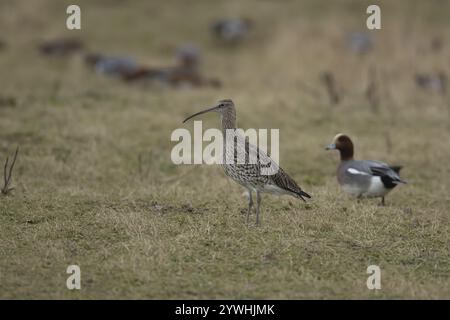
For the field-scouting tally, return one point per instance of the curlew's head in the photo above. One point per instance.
(344, 144)
(223, 107)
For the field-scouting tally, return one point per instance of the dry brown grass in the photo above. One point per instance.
(166, 231)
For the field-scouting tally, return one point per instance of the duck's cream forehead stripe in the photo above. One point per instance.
(337, 136)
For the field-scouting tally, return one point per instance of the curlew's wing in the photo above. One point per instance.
(269, 168)
(282, 180)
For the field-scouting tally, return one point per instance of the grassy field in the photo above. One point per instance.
(95, 185)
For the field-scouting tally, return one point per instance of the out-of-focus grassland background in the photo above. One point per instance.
(95, 186)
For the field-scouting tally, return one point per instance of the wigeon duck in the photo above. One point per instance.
(363, 178)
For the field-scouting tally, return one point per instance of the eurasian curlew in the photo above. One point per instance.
(262, 175)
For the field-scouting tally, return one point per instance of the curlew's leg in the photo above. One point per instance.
(382, 202)
(250, 204)
(258, 202)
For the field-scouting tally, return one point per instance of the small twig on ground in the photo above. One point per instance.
(388, 139)
(372, 92)
(7, 174)
(330, 85)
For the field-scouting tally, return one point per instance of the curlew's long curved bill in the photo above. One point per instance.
(199, 113)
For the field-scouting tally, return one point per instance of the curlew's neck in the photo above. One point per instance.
(228, 119)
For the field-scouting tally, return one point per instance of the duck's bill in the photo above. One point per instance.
(199, 113)
(331, 146)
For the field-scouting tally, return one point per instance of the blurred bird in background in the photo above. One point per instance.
(185, 73)
(360, 43)
(231, 30)
(432, 82)
(111, 65)
(61, 47)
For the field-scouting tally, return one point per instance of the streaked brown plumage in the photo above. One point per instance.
(250, 174)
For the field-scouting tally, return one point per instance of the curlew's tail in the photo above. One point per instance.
(283, 181)
(302, 194)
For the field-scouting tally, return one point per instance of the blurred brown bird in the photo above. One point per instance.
(60, 47)
(185, 73)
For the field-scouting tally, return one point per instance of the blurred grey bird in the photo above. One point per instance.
(363, 178)
(360, 42)
(432, 82)
(231, 30)
(262, 175)
(111, 65)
